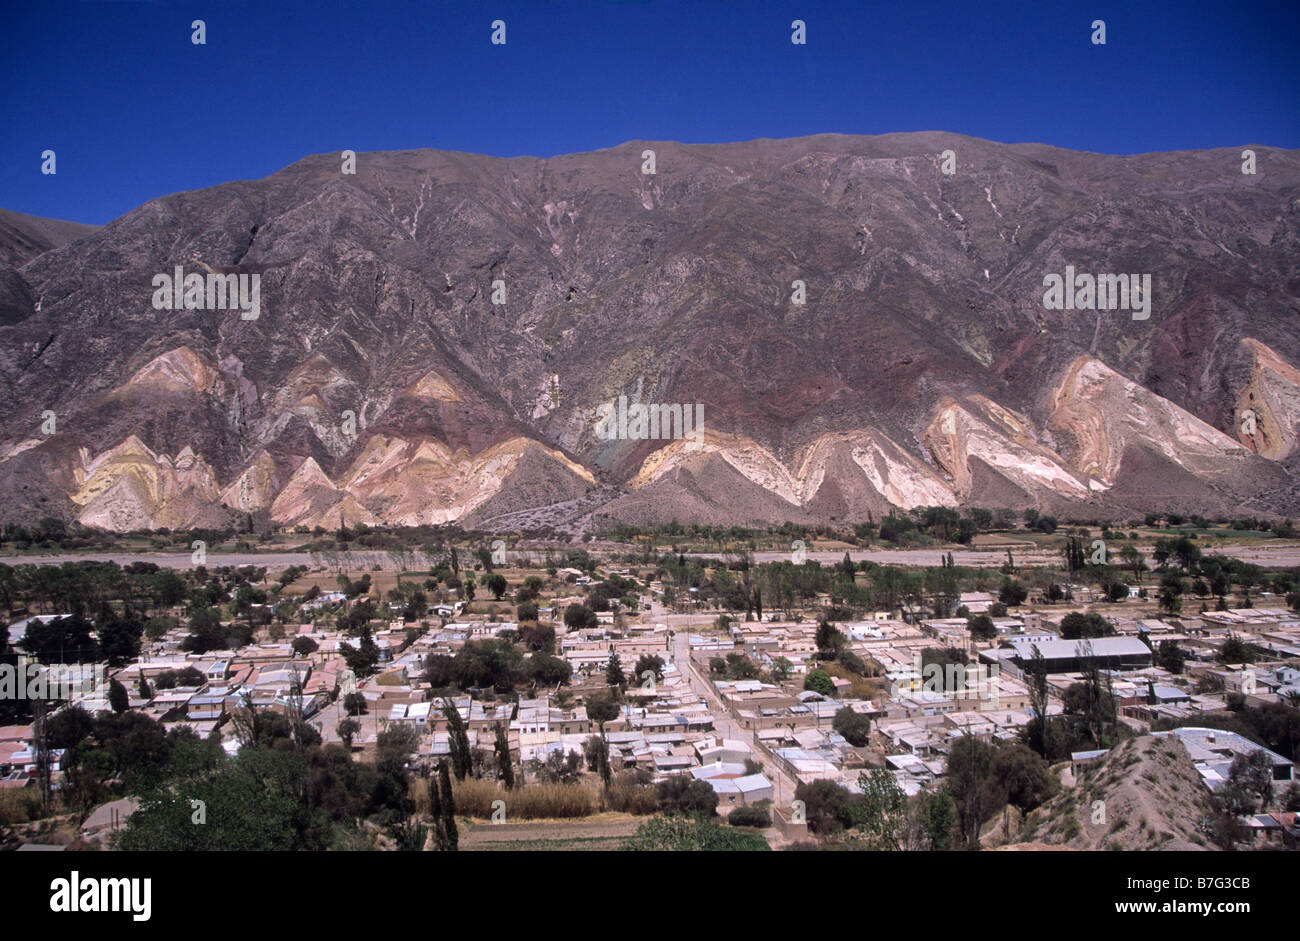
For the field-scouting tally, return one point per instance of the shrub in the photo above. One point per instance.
(685, 835)
(749, 815)
(19, 805)
(683, 794)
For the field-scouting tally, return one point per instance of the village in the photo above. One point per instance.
(670, 686)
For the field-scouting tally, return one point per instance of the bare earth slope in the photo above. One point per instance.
(1152, 799)
(380, 382)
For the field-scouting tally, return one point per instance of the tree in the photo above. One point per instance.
(505, 767)
(496, 583)
(362, 658)
(1099, 699)
(119, 637)
(117, 696)
(447, 836)
(547, 670)
(579, 617)
(827, 806)
(1171, 590)
(1075, 626)
(819, 681)
(462, 758)
(740, 667)
(247, 599)
(881, 813)
(854, 726)
(1254, 775)
(1235, 650)
(596, 753)
(936, 816)
(981, 627)
(1022, 776)
(650, 663)
(346, 730)
(1170, 656)
(614, 675)
(62, 640)
(304, 646)
(539, 638)
(828, 636)
(781, 668)
(255, 801)
(354, 704)
(969, 765)
(602, 709)
(683, 794)
(1012, 593)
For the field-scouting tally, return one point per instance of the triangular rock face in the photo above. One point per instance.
(255, 488)
(1102, 414)
(180, 370)
(1268, 407)
(382, 383)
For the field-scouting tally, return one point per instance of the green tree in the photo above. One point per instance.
(1022, 776)
(1075, 626)
(579, 617)
(819, 681)
(462, 758)
(881, 813)
(649, 663)
(1170, 656)
(937, 817)
(602, 708)
(119, 637)
(614, 672)
(969, 766)
(505, 766)
(254, 802)
(496, 583)
(1253, 773)
(1235, 650)
(117, 696)
(981, 627)
(347, 730)
(1012, 593)
(450, 837)
(682, 794)
(547, 670)
(854, 726)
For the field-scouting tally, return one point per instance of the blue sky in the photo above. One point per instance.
(134, 110)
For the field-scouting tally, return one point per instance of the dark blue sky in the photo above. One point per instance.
(135, 111)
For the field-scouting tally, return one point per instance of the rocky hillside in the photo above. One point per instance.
(381, 383)
(1152, 797)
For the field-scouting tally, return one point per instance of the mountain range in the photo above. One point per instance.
(438, 333)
